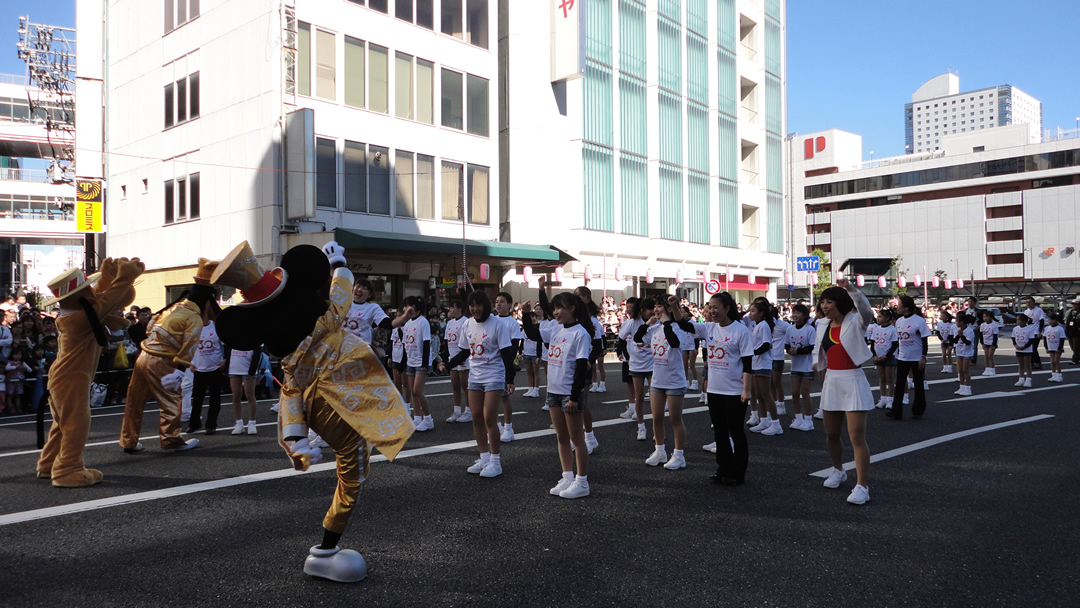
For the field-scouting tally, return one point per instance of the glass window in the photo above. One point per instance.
(403, 89)
(478, 194)
(195, 208)
(325, 172)
(479, 124)
(170, 11)
(425, 187)
(193, 95)
(181, 12)
(378, 5)
(403, 10)
(193, 9)
(355, 68)
(181, 100)
(425, 13)
(452, 189)
(355, 176)
(425, 91)
(451, 20)
(303, 59)
(181, 199)
(325, 65)
(403, 186)
(378, 79)
(477, 16)
(169, 218)
(169, 116)
(451, 100)
(379, 180)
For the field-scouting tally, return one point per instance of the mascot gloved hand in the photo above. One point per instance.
(334, 384)
(172, 380)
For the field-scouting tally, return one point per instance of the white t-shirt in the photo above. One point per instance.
(548, 329)
(779, 338)
(762, 335)
(485, 341)
(883, 338)
(513, 327)
(966, 350)
(598, 329)
(398, 347)
(1035, 314)
(726, 347)
(911, 330)
(668, 370)
(1054, 337)
(988, 330)
(1023, 336)
(946, 330)
(798, 338)
(566, 347)
(240, 362)
(641, 355)
(453, 333)
(209, 355)
(416, 332)
(361, 317)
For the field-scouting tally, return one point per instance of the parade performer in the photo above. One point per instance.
(167, 352)
(334, 383)
(84, 316)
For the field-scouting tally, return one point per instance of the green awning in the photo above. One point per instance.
(368, 240)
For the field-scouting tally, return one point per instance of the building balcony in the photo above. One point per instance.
(748, 53)
(1002, 224)
(1004, 247)
(814, 219)
(751, 241)
(820, 238)
(24, 175)
(749, 115)
(748, 177)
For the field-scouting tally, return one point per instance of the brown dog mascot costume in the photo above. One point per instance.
(334, 385)
(84, 309)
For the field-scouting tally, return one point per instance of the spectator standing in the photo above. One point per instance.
(1038, 324)
(1072, 330)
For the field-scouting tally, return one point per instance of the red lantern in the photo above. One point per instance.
(678, 277)
(618, 273)
(787, 278)
(935, 281)
(902, 281)
(959, 283)
(729, 275)
(860, 280)
(526, 273)
(648, 276)
(948, 283)
(752, 277)
(588, 272)
(485, 272)
(882, 282)
(558, 274)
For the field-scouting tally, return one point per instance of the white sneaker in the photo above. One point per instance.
(993, 371)
(907, 398)
(754, 419)
(796, 425)
(317, 442)
(600, 388)
(1027, 382)
(188, 445)
(252, 430)
(426, 424)
(959, 391)
(592, 389)
(641, 433)
(967, 391)
(453, 417)
(1019, 382)
(910, 384)
(781, 409)
(703, 397)
(507, 434)
(835, 478)
(577, 489)
(675, 462)
(629, 413)
(807, 425)
(656, 458)
(476, 467)
(417, 421)
(693, 385)
(925, 386)
(774, 429)
(466, 416)
(761, 425)
(818, 415)
(859, 495)
(711, 447)
(493, 469)
(562, 485)
(592, 443)
(239, 428)
(546, 408)
(880, 403)
(276, 408)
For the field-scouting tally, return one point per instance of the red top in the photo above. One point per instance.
(834, 351)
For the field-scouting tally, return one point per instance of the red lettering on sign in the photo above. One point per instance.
(566, 6)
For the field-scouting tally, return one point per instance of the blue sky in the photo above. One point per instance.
(853, 64)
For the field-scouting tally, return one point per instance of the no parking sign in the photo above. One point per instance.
(712, 287)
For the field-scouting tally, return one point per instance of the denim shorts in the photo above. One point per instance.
(763, 372)
(412, 371)
(778, 366)
(528, 359)
(670, 392)
(641, 374)
(487, 387)
(807, 375)
(563, 402)
(887, 361)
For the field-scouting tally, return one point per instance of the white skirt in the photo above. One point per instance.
(846, 390)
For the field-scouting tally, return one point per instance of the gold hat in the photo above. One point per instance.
(205, 271)
(68, 283)
(241, 270)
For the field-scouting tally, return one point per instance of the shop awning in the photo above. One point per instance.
(405, 244)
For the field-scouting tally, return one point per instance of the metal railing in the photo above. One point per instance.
(24, 175)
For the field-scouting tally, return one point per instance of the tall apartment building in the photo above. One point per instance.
(665, 160)
(939, 109)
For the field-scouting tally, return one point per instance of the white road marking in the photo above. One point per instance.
(823, 473)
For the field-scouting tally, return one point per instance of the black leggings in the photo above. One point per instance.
(918, 406)
(727, 413)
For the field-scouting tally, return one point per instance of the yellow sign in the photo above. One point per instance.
(88, 216)
(88, 190)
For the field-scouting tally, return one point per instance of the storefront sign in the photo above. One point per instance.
(567, 39)
(89, 211)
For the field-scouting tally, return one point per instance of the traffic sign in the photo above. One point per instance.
(712, 287)
(810, 263)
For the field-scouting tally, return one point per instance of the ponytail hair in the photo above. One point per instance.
(585, 295)
(766, 313)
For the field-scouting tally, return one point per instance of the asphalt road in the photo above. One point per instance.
(956, 517)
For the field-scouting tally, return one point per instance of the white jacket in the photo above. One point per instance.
(852, 332)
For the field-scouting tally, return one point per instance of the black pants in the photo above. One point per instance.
(1036, 362)
(1074, 344)
(200, 383)
(918, 406)
(728, 413)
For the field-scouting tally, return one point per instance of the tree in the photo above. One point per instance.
(937, 294)
(824, 275)
(896, 290)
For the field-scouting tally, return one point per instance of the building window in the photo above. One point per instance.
(170, 118)
(425, 91)
(326, 173)
(425, 187)
(478, 106)
(477, 18)
(303, 59)
(378, 79)
(355, 161)
(379, 180)
(325, 65)
(182, 100)
(379, 5)
(170, 212)
(403, 90)
(193, 96)
(452, 190)
(425, 14)
(478, 194)
(452, 110)
(403, 184)
(194, 203)
(403, 10)
(182, 199)
(179, 12)
(451, 19)
(355, 72)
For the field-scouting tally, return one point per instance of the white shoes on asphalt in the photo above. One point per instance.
(1055, 377)
(677, 461)
(190, 444)
(425, 423)
(485, 468)
(641, 432)
(989, 372)
(579, 488)
(506, 432)
(774, 428)
(657, 458)
(780, 409)
(859, 496)
(598, 387)
(835, 478)
(338, 565)
(754, 419)
(693, 385)
(1027, 382)
(964, 391)
(240, 428)
(629, 413)
(818, 415)
(533, 392)
(709, 447)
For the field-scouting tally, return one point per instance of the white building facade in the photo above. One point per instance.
(938, 109)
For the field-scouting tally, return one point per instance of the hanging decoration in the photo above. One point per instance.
(526, 273)
(935, 281)
(860, 280)
(485, 272)
(558, 274)
(648, 276)
(918, 281)
(882, 282)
